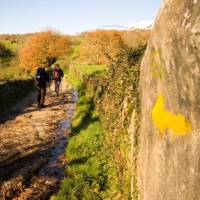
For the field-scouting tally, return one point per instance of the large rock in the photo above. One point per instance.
(169, 157)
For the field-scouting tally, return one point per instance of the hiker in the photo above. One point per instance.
(57, 76)
(41, 79)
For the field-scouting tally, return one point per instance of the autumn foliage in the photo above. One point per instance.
(102, 46)
(99, 46)
(135, 38)
(43, 49)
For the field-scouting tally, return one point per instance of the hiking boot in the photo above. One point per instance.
(40, 106)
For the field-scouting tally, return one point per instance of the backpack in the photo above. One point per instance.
(56, 74)
(40, 79)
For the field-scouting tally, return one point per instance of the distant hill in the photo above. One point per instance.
(141, 25)
(113, 27)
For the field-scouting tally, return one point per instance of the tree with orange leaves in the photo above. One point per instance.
(43, 49)
(100, 45)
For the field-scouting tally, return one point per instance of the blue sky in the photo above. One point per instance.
(73, 16)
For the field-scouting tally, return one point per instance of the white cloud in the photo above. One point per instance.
(139, 24)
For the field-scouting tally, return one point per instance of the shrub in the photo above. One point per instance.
(43, 49)
(99, 46)
(4, 52)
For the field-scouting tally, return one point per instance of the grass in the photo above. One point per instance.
(12, 72)
(86, 169)
(99, 165)
(75, 73)
(12, 91)
(13, 47)
(75, 48)
(71, 56)
(91, 69)
(75, 51)
(9, 66)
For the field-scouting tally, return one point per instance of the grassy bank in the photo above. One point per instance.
(11, 73)
(9, 65)
(12, 91)
(86, 163)
(12, 46)
(77, 72)
(14, 82)
(100, 161)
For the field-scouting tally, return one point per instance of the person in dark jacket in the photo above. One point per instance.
(57, 76)
(41, 78)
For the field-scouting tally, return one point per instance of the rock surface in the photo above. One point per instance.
(169, 157)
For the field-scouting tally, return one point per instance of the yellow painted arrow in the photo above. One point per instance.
(164, 119)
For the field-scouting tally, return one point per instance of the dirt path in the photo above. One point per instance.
(29, 139)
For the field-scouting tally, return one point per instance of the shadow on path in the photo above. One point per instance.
(29, 105)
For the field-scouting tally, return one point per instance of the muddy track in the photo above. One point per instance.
(32, 145)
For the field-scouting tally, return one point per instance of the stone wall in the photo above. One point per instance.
(13, 90)
(169, 157)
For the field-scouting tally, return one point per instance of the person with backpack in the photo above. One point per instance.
(57, 76)
(41, 79)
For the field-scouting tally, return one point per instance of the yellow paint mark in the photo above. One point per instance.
(156, 66)
(164, 119)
